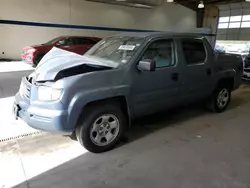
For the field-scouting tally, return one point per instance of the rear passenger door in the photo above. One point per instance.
(197, 70)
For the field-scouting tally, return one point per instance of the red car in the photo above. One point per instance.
(77, 44)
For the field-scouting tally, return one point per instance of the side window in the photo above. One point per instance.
(84, 41)
(66, 42)
(90, 41)
(194, 51)
(162, 52)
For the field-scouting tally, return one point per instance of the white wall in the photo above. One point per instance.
(13, 38)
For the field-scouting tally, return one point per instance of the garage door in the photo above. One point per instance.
(234, 22)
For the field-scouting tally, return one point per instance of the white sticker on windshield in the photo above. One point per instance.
(127, 47)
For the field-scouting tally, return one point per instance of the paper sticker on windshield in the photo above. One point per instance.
(127, 47)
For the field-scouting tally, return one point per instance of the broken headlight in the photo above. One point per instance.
(48, 93)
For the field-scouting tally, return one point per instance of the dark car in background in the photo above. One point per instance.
(76, 44)
(246, 72)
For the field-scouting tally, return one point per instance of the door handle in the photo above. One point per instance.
(209, 71)
(175, 76)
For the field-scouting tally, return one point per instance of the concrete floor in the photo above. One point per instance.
(187, 148)
(10, 78)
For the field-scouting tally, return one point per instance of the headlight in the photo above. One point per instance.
(30, 50)
(48, 93)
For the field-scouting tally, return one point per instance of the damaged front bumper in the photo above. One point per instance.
(37, 115)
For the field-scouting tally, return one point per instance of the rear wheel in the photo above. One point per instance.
(220, 99)
(101, 128)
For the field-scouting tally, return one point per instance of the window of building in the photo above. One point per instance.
(234, 25)
(223, 25)
(234, 22)
(246, 18)
(235, 18)
(224, 19)
(245, 25)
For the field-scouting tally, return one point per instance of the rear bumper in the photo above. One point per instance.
(53, 121)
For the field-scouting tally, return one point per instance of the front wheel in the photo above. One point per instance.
(220, 99)
(101, 128)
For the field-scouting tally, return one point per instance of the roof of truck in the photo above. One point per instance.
(159, 34)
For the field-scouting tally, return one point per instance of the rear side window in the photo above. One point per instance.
(194, 51)
(84, 41)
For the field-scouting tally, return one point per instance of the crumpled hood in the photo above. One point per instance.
(57, 60)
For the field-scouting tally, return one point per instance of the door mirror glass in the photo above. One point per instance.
(146, 65)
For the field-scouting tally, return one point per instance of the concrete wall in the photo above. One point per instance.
(211, 16)
(79, 12)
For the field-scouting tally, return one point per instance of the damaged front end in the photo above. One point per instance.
(58, 64)
(80, 69)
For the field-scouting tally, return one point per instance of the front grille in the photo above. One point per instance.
(29, 79)
(26, 92)
(25, 89)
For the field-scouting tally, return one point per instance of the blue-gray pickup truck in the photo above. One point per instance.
(123, 77)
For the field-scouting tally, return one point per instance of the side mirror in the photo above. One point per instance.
(147, 65)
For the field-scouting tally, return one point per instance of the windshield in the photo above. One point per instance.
(119, 50)
(52, 41)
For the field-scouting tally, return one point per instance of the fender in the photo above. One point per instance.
(80, 100)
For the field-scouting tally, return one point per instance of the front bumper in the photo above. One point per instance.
(41, 118)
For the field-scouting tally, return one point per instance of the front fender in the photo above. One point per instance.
(81, 99)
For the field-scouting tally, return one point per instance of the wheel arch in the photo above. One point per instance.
(120, 100)
(227, 81)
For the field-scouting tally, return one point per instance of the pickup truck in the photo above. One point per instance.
(123, 77)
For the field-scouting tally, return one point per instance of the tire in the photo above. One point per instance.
(91, 132)
(215, 103)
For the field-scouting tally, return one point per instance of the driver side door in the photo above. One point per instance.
(160, 89)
